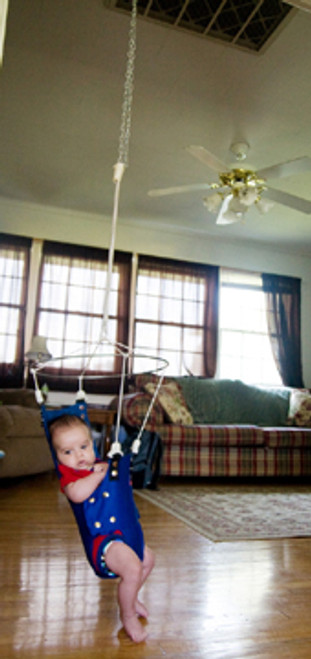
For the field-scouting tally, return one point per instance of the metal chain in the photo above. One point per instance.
(125, 129)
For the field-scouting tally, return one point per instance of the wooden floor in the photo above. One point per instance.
(221, 601)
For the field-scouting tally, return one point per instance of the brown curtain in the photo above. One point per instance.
(283, 313)
(211, 320)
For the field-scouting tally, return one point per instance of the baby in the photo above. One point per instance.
(81, 474)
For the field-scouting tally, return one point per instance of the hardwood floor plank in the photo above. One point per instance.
(217, 600)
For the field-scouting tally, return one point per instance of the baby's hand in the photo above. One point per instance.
(100, 466)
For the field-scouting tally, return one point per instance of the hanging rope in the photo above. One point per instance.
(118, 170)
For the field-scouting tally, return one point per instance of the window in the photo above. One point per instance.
(245, 351)
(71, 306)
(14, 263)
(170, 315)
(180, 312)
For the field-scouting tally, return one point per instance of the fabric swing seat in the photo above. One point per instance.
(110, 513)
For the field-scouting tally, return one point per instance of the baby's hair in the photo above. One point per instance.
(66, 421)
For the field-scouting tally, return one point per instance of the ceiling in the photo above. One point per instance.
(61, 92)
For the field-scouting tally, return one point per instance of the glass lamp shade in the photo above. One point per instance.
(264, 205)
(38, 350)
(231, 211)
(248, 196)
(212, 202)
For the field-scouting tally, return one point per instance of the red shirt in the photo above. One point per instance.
(70, 475)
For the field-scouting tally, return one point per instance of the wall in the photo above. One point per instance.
(75, 227)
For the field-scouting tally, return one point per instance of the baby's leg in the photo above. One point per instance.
(147, 565)
(122, 560)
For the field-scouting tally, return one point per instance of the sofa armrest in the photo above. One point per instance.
(134, 409)
(22, 397)
(23, 442)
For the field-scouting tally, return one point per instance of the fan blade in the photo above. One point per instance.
(285, 168)
(207, 158)
(161, 192)
(297, 203)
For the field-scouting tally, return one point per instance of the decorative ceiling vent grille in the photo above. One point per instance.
(246, 23)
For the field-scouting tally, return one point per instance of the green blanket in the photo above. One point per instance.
(233, 402)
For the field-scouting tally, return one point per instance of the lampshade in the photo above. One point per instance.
(231, 211)
(248, 195)
(264, 205)
(212, 202)
(38, 350)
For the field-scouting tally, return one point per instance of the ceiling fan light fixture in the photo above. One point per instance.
(213, 202)
(231, 211)
(264, 205)
(230, 217)
(242, 187)
(248, 196)
(236, 205)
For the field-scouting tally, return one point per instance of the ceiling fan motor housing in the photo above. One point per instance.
(240, 150)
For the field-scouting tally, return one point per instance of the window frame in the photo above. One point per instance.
(12, 373)
(182, 270)
(60, 375)
(242, 280)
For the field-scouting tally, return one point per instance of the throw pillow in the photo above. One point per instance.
(300, 408)
(135, 407)
(173, 402)
(140, 380)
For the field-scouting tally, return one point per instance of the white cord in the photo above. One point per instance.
(118, 171)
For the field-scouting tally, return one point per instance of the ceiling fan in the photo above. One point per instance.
(240, 187)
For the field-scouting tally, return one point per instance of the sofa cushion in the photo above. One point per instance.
(171, 399)
(287, 437)
(6, 421)
(300, 408)
(226, 436)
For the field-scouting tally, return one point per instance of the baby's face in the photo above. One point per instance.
(74, 447)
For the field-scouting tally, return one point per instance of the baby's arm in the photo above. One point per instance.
(79, 490)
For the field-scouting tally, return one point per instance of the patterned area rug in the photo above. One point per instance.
(224, 513)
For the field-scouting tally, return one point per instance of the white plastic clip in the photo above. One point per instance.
(118, 171)
(39, 397)
(135, 446)
(81, 395)
(115, 448)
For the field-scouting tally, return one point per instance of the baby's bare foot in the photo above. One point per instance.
(134, 629)
(141, 609)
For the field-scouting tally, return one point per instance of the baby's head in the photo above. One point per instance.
(72, 442)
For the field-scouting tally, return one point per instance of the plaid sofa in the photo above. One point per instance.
(225, 449)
